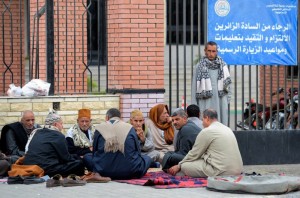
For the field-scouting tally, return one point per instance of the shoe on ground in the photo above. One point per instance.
(55, 181)
(96, 178)
(33, 180)
(73, 180)
(15, 180)
(88, 174)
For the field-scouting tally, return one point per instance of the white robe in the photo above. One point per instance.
(215, 152)
(220, 104)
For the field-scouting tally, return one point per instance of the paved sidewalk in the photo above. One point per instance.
(119, 190)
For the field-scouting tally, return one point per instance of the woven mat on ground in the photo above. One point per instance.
(163, 180)
(3, 180)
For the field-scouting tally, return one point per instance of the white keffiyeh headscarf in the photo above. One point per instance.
(204, 88)
(79, 138)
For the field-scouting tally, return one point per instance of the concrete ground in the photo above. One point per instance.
(119, 190)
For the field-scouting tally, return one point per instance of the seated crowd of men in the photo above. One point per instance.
(115, 149)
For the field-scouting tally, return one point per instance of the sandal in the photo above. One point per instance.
(73, 180)
(86, 175)
(55, 181)
(96, 178)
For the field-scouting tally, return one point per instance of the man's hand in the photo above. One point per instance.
(169, 119)
(91, 148)
(3, 156)
(140, 134)
(174, 169)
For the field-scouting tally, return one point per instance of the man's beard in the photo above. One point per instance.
(85, 131)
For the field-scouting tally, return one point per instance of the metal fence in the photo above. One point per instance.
(62, 42)
(263, 97)
(268, 92)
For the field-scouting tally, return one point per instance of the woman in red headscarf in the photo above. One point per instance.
(160, 126)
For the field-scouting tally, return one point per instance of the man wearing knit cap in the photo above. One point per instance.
(47, 148)
(145, 137)
(80, 136)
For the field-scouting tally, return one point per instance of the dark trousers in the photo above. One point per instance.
(171, 159)
(74, 167)
(87, 161)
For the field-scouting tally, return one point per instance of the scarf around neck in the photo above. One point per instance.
(204, 88)
(154, 115)
(114, 132)
(79, 138)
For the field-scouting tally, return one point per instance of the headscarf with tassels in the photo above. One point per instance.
(154, 115)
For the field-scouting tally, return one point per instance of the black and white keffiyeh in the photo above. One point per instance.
(203, 87)
(79, 137)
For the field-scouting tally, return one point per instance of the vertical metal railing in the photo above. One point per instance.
(255, 86)
(50, 44)
(21, 42)
(58, 46)
(184, 54)
(264, 96)
(243, 100)
(235, 91)
(285, 102)
(170, 52)
(256, 98)
(177, 53)
(7, 54)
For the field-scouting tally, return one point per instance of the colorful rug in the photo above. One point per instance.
(163, 180)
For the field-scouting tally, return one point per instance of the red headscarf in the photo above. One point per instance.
(154, 114)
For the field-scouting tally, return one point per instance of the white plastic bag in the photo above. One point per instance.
(14, 91)
(36, 87)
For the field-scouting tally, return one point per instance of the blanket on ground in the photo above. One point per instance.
(163, 180)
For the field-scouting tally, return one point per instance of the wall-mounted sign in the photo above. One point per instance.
(254, 32)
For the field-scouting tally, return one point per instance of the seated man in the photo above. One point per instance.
(117, 151)
(48, 149)
(193, 112)
(160, 126)
(215, 151)
(146, 142)
(14, 136)
(80, 136)
(186, 136)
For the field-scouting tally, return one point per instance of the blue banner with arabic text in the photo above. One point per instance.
(254, 32)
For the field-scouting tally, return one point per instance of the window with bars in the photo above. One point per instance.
(192, 21)
(292, 72)
(96, 31)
